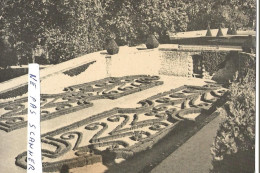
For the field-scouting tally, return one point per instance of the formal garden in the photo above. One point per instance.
(125, 80)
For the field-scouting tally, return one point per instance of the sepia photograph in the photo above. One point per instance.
(129, 86)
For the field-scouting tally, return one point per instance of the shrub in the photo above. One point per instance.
(234, 30)
(208, 34)
(152, 42)
(234, 146)
(220, 33)
(112, 47)
(229, 31)
(247, 62)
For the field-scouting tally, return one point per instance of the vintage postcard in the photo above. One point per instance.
(128, 86)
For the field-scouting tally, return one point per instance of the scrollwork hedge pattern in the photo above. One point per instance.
(126, 131)
(74, 98)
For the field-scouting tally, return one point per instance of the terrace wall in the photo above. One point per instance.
(165, 60)
(193, 62)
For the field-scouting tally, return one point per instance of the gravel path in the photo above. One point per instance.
(193, 156)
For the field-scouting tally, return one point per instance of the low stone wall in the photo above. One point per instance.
(174, 63)
(192, 62)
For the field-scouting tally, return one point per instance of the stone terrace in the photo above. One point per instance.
(111, 108)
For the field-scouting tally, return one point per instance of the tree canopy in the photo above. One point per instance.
(70, 28)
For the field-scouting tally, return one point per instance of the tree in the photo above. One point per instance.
(201, 12)
(24, 21)
(8, 55)
(132, 21)
(66, 28)
(162, 16)
(239, 12)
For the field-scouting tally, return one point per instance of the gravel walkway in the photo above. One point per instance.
(193, 156)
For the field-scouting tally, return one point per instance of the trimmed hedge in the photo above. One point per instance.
(212, 60)
(229, 31)
(220, 33)
(76, 71)
(77, 94)
(10, 73)
(14, 92)
(208, 34)
(145, 138)
(234, 30)
(247, 66)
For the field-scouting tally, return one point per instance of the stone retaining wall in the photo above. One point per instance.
(192, 62)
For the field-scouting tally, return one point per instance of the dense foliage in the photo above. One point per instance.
(249, 45)
(241, 13)
(67, 29)
(234, 146)
(7, 54)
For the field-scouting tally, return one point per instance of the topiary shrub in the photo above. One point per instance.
(112, 47)
(229, 31)
(220, 33)
(234, 30)
(208, 34)
(152, 42)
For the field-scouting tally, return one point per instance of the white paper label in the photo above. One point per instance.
(34, 157)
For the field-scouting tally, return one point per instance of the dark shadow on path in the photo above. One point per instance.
(145, 161)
